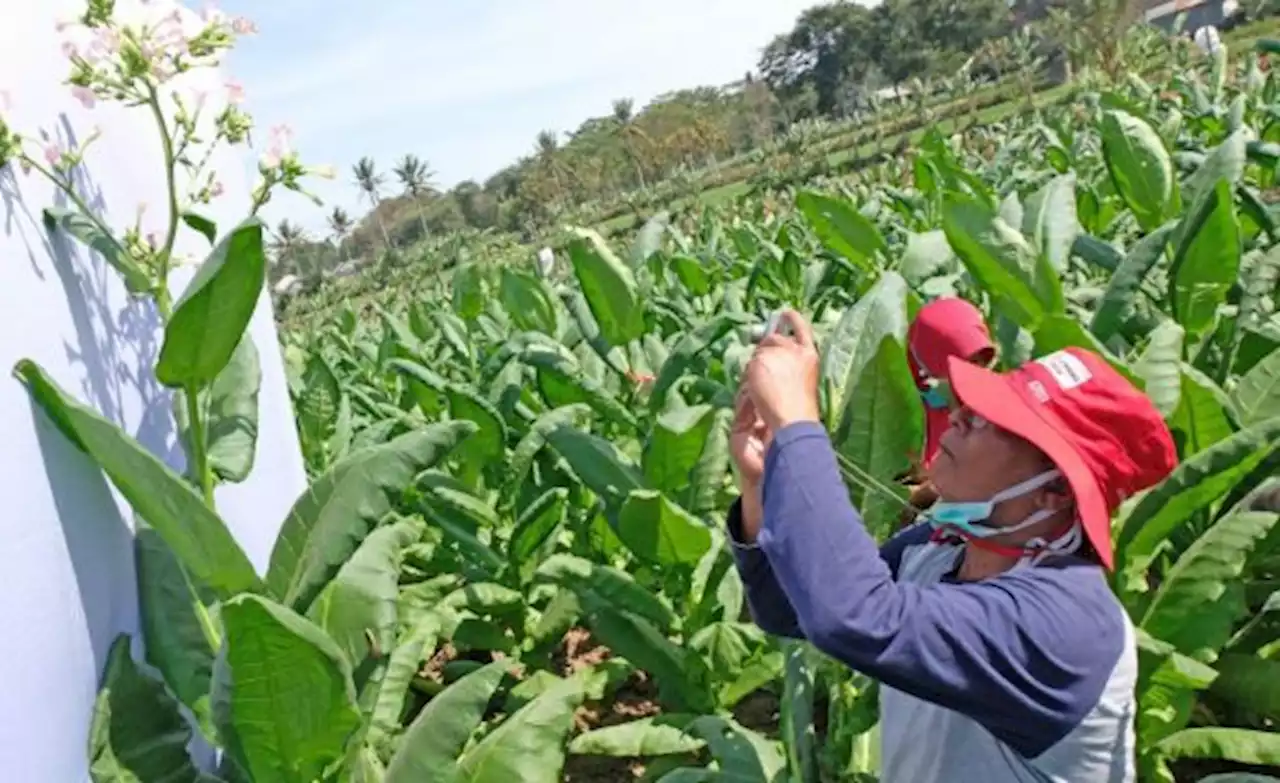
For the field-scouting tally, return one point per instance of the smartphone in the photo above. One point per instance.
(776, 323)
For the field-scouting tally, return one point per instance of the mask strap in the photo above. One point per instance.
(1030, 485)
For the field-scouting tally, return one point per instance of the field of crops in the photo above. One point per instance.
(509, 564)
(574, 526)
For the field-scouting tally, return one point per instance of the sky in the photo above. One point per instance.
(468, 84)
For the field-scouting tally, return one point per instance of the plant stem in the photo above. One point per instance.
(199, 455)
(170, 170)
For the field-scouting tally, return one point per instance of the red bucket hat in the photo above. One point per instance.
(1104, 434)
(942, 329)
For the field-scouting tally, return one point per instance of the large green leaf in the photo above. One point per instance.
(404, 663)
(742, 754)
(536, 524)
(1193, 486)
(1206, 260)
(432, 743)
(137, 735)
(597, 463)
(328, 522)
(469, 292)
(602, 585)
(843, 229)
(609, 286)
(1257, 395)
(688, 349)
(529, 746)
(528, 302)
(1019, 279)
(1140, 167)
(359, 605)
(675, 446)
(659, 735)
(1050, 221)
(318, 402)
(1160, 367)
(927, 255)
(563, 383)
(535, 439)
(136, 280)
(192, 530)
(873, 406)
(1201, 416)
(798, 712)
(177, 629)
(1250, 683)
(1124, 286)
(1200, 598)
(233, 414)
(659, 531)
(1224, 162)
(1243, 746)
(211, 316)
(682, 677)
(283, 698)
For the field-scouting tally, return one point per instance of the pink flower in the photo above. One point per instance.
(215, 189)
(169, 35)
(52, 153)
(235, 93)
(69, 50)
(105, 44)
(85, 96)
(281, 146)
(211, 14)
(243, 26)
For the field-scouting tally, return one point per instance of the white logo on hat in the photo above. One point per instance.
(1066, 369)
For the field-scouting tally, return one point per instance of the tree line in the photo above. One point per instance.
(829, 65)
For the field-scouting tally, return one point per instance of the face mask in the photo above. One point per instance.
(967, 518)
(935, 398)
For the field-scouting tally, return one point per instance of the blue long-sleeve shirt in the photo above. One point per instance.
(1026, 676)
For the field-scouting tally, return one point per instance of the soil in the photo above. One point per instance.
(759, 712)
(635, 698)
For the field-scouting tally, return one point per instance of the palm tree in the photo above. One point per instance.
(340, 225)
(630, 132)
(548, 146)
(286, 244)
(415, 175)
(369, 181)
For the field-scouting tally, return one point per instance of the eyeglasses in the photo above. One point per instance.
(968, 419)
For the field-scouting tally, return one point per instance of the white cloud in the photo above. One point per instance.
(468, 87)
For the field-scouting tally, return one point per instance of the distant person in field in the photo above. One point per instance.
(942, 329)
(1002, 654)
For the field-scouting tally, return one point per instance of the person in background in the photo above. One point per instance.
(942, 329)
(1003, 655)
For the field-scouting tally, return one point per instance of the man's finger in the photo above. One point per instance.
(801, 331)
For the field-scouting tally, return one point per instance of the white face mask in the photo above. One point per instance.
(969, 518)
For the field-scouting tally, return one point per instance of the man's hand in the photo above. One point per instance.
(782, 376)
(748, 442)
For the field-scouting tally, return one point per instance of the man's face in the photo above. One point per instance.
(976, 459)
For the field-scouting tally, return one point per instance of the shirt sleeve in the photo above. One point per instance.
(1022, 654)
(769, 606)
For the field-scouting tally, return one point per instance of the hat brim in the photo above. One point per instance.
(996, 399)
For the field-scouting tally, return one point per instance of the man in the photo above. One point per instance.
(942, 329)
(1002, 653)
